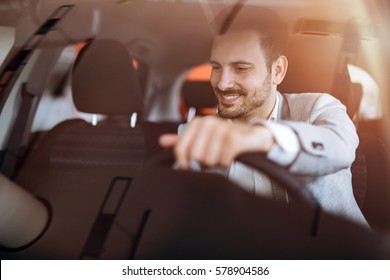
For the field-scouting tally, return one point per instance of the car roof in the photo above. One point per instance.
(154, 30)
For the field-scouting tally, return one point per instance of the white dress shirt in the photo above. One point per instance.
(283, 152)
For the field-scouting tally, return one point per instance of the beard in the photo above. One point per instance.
(249, 103)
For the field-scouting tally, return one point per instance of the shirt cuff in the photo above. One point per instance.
(286, 147)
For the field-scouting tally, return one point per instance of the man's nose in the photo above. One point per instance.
(225, 81)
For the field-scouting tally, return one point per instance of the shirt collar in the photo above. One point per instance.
(275, 110)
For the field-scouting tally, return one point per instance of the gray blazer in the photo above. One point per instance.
(328, 142)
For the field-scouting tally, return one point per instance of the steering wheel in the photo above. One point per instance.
(259, 162)
(198, 212)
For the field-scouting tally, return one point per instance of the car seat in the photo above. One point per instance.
(315, 66)
(376, 206)
(103, 82)
(78, 167)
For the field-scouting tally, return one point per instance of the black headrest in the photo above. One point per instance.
(198, 94)
(313, 62)
(104, 80)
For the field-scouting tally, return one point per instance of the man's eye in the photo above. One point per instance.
(242, 69)
(216, 68)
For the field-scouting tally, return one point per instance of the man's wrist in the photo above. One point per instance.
(266, 136)
(285, 146)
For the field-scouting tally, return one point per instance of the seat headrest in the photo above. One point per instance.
(198, 94)
(312, 64)
(104, 80)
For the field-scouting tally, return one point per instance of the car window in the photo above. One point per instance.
(370, 104)
(7, 35)
(197, 74)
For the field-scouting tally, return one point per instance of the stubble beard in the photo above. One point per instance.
(249, 103)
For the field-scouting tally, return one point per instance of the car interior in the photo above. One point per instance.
(87, 88)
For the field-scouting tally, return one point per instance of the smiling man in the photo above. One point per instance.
(241, 79)
(308, 133)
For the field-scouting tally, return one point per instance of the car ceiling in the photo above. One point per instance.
(178, 31)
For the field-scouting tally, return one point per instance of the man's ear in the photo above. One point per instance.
(279, 69)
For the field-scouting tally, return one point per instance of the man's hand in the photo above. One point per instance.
(216, 142)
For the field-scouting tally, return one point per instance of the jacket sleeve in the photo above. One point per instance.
(325, 137)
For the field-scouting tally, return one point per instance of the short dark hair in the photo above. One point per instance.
(271, 29)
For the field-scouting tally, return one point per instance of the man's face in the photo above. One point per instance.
(240, 78)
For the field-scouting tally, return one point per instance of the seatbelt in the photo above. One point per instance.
(8, 78)
(342, 85)
(344, 89)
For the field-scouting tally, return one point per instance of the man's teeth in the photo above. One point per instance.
(230, 97)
